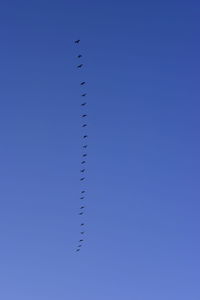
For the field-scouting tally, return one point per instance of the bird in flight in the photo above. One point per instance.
(82, 232)
(84, 155)
(85, 136)
(82, 170)
(83, 162)
(79, 56)
(83, 178)
(77, 41)
(82, 198)
(82, 224)
(79, 66)
(84, 125)
(77, 250)
(82, 192)
(83, 116)
(82, 207)
(81, 240)
(81, 213)
(82, 83)
(85, 146)
(83, 95)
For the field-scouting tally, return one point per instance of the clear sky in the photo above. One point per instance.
(142, 67)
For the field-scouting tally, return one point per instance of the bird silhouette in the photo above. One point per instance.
(82, 170)
(83, 95)
(83, 104)
(84, 155)
(79, 56)
(82, 224)
(81, 213)
(81, 240)
(77, 41)
(82, 198)
(82, 192)
(85, 146)
(83, 116)
(80, 66)
(82, 83)
(82, 232)
(82, 207)
(85, 136)
(83, 162)
(84, 125)
(83, 178)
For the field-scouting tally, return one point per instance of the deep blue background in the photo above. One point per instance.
(142, 67)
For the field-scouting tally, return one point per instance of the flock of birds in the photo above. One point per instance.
(84, 153)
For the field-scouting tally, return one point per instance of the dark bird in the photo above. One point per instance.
(83, 95)
(77, 41)
(83, 178)
(82, 83)
(85, 136)
(83, 116)
(81, 240)
(79, 66)
(79, 56)
(82, 224)
(83, 170)
(85, 146)
(84, 155)
(82, 232)
(77, 250)
(82, 198)
(82, 192)
(84, 103)
(84, 125)
(82, 207)
(83, 162)
(81, 213)
(79, 246)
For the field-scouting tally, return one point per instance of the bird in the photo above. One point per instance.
(79, 246)
(85, 136)
(84, 155)
(82, 83)
(83, 95)
(79, 56)
(82, 170)
(82, 224)
(77, 250)
(77, 41)
(84, 103)
(83, 116)
(85, 146)
(84, 125)
(82, 178)
(82, 192)
(79, 66)
(82, 198)
(82, 232)
(81, 213)
(81, 240)
(82, 207)
(83, 162)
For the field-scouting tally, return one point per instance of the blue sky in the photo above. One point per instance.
(142, 68)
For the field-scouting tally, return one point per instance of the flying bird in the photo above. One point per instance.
(84, 103)
(82, 192)
(81, 213)
(77, 250)
(84, 125)
(84, 155)
(83, 162)
(82, 224)
(79, 56)
(82, 83)
(83, 116)
(82, 207)
(81, 240)
(79, 246)
(80, 66)
(82, 170)
(82, 198)
(85, 146)
(83, 178)
(85, 136)
(82, 232)
(83, 95)
(77, 41)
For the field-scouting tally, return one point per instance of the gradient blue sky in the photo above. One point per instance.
(142, 218)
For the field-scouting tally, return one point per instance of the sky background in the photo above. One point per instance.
(142, 67)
